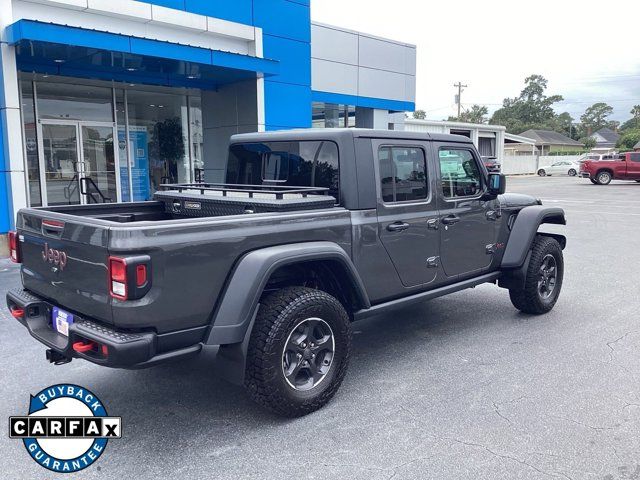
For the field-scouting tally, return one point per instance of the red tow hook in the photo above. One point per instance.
(17, 313)
(83, 347)
(89, 346)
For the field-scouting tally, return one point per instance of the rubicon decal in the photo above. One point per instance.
(67, 428)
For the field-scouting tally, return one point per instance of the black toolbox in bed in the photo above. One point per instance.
(219, 199)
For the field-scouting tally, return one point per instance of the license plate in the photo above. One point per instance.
(61, 321)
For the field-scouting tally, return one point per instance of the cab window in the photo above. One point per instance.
(461, 175)
(300, 164)
(403, 173)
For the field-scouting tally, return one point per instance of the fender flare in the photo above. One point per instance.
(240, 298)
(524, 231)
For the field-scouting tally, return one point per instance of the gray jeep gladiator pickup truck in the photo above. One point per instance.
(313, 229)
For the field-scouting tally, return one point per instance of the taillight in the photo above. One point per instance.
(141, 275)
(129, 277)
(14, 248)
(118, 278)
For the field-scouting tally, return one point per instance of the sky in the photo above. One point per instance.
(588, 51)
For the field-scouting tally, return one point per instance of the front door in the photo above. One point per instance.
(468, 222)
(78, 162)
(407, 212)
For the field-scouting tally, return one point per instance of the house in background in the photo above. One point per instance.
(636, 147)
(547, 141)
(606, 140)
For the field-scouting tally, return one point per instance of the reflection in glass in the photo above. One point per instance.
(60, 144)
(99, 164)
(74, 102)
(31, 143)
(159, 122)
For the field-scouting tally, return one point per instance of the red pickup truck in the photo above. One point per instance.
(621, 166)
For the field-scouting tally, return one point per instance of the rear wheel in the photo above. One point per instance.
(298, 352)
(544, 278)
(572, 172)
(542, 173)
(603, 178)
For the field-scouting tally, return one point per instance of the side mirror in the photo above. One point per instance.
(497, 184)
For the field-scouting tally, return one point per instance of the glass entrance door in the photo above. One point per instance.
(60, 158)
(98, 183)
(79, 163)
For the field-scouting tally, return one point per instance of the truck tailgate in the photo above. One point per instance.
(65, 259)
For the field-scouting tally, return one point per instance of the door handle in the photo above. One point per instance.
(432, 223)
(492, 215)
(450, 219)
(397, 226)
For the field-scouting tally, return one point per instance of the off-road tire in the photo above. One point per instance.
(572, 172)
(278, 315)
(542, 173)
(529, 298)
(603, 178)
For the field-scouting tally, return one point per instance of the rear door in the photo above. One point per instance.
(633, 165)
(407, 211)
(468, 222)
(64, 259)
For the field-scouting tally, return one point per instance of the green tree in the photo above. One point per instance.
(595, 117)
(475, 114)
(531, 109)
(635, 111)
(419, 114)
(589, 142)
(628, 139)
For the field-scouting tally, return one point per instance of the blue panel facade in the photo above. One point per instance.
(360, 101)
(286, 29)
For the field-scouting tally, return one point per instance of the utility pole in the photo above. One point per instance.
(460, 88)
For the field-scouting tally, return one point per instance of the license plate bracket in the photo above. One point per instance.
(60, 321)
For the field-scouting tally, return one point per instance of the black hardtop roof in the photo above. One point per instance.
(343, 134)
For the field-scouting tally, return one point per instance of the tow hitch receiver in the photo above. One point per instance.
(57, 358)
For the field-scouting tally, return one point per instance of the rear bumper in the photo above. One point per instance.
(122, 349)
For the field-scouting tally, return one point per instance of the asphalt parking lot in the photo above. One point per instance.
(460, 387)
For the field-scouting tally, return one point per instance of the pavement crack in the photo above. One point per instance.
(507, 457)
(597, 429)
(496, 409)
(613, 342)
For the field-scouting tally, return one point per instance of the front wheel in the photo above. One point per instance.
(544, 278)
(572, 172)
(603, 178)
(593, 181)
(298, 351)
(542, 173)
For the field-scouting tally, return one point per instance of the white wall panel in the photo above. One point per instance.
(334, 45)
(334, 77)
(381, 84)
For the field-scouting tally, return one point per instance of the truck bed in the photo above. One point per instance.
(199, 200)
(187, 254)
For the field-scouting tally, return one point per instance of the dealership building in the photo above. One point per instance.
(104, 100)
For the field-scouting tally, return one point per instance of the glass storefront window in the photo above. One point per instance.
(121, 142)
(31, 143)
(197, 138)
(159, 123)
(65, 101)
(333, 115)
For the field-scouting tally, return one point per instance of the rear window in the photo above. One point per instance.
(300, 164)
